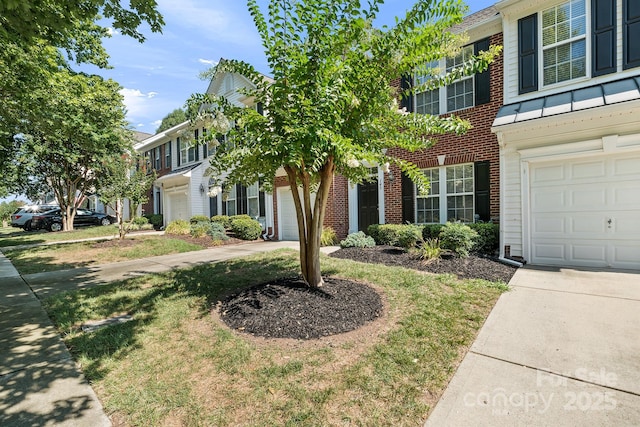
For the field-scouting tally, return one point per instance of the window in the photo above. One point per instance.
(428, 206)
(184, 152)
(253, 201)
(450, 197)
(460, 93)
(463, 93)
(158, 159)
(167, 155)
(564, 44)
(230, 202)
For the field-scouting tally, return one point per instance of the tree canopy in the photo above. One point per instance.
(330, 108)
(172, 119)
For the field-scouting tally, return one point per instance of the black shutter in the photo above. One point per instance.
(241, 199)
(630, 33)
(406, 99)
(178, 150)
(482, 83)
(482, 186)
(260, 109)
(604, 37)
(205, 148)
(408, 200)
(261, 203)
(528, 54)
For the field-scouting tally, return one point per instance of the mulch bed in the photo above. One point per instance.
(288, 308)
(473, 267)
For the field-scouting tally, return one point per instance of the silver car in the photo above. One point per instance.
(21, 218)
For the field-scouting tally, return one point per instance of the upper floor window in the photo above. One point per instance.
(463, 93)
(577, 39)
(167, 154)
(564, 44)
(158, 159)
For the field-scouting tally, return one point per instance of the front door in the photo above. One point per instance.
(367, 204)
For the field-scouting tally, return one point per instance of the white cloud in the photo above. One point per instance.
(112, 31)
(208, 62)
(156, 123)
(136, 101)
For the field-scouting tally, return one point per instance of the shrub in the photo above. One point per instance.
(217, 232)
(458, 238)
(245, 227)
(430, 250)
(140, 221)
(225, 220)
(179, 226)
(358, 240)
(136, 227)
(403, 235)
(329, 237)
(199, 218)
(488, 238)
(156, 220)
(431, 231)
(200, 228)
(409, 236)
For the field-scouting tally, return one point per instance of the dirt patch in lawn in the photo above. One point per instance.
(288, 308)
(473, 267)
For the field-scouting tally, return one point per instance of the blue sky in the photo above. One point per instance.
(160, 74)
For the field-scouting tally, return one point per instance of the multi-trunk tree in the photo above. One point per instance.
(330, 107)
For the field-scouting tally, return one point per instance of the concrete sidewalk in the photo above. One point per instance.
(561, 348)
(40, 383)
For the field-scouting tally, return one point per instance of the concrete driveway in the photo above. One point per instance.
(561, 348)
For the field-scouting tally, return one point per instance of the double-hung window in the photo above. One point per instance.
(460, 93)
(253, 201)
(184, 152)
(158, 159)
(230, 201)
(564, 42)
(167, 155)
(465, 92)
(450, 196)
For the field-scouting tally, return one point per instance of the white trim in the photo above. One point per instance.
(525, 202)
(381, 216)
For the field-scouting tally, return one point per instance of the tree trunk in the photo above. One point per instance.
(310, 219)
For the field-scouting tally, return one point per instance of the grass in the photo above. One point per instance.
(17, 236)
(175, 364)
(73, 255)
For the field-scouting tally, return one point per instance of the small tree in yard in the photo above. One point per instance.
(125, 178)
(330, 107)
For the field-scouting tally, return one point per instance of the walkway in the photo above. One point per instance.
(40, 384)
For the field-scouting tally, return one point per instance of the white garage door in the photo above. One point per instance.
(287, 222)
(178, 207)
(586, 212)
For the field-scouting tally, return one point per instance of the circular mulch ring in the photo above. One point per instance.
(288, 308)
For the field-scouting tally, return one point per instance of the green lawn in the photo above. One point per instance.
(72, 255)
(176, 364)
(10, 236)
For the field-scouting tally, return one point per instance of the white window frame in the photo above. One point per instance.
(231, 199)
(443, 195)
(443, 92)
(167, 154)
(157, 163)
(587, 42)
(255, 198)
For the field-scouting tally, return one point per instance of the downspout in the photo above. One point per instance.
(269, 219)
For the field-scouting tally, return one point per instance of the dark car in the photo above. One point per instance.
(52, 220)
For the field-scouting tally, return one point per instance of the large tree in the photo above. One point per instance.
(79, 121)
(172, 119)
(330, 108)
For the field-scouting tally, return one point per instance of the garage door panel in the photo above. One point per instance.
(571, 203)
(587, 170)
(548, 174)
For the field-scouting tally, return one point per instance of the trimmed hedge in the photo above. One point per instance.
(458, 238)
(245, 227)
(225, 220)
(403, 235)
(199, 218)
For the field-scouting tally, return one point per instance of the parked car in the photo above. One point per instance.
(52, 220)
(22, 217)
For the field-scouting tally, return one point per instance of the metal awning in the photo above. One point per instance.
(622, 90)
